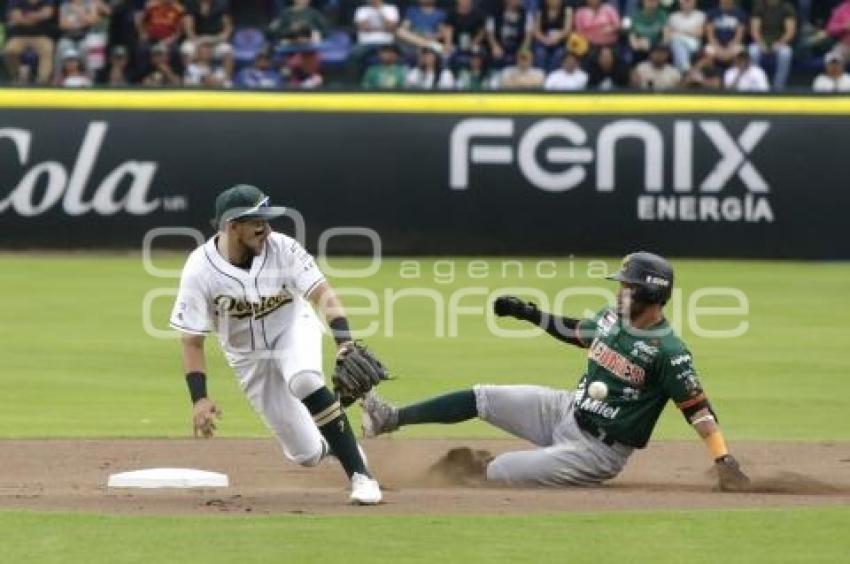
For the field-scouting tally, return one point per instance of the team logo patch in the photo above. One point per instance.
(643, 351)
(607, 322)
(681, 359)
(658, 281)
(688, 379)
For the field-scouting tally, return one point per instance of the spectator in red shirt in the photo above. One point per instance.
(160, 22)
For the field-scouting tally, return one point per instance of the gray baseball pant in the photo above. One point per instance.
(568, 455)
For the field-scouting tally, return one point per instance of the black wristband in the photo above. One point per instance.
(197, 382)
(340, 330)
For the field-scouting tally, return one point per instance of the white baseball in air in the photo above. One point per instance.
(597, 390)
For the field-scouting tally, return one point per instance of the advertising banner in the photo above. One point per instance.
(710, 184)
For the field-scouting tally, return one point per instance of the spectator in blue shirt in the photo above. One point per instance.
(261, 75)
(725, 31)
(421, 25)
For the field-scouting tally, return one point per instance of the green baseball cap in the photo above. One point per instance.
(244, 201)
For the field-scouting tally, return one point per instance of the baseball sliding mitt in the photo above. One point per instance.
(732, 479)
(357, 371)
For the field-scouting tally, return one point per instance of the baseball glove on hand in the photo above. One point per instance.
(511, 306)
(732, 479)
(357, 371)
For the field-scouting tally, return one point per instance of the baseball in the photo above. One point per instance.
(597, 390)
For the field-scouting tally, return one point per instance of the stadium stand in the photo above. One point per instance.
(438, 44)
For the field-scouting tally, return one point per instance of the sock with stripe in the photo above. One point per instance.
(335, 428)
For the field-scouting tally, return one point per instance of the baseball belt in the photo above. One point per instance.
(586, 425)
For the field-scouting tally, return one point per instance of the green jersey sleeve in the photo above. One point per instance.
(587, 329)
(678, 378)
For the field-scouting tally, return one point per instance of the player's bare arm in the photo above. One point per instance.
(204, 410)
(730, 476)
(357, 369)
(328, 303)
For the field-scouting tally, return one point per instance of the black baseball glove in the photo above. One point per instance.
(511, 306)
(357, 371)
(732, 479)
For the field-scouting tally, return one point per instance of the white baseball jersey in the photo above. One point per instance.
(249, 309)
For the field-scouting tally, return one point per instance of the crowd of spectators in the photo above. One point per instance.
(561, 45)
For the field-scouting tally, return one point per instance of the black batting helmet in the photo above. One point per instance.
(652, 275)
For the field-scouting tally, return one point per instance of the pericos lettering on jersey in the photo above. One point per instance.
(241, 309)
(615, 363)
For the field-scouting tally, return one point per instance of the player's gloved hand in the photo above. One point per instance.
(511, 306)
(204, 414)
(732, 479)
(357, 371)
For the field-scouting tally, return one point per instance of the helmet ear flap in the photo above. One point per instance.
(645, 294)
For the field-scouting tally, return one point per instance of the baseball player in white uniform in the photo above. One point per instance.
(251, 286)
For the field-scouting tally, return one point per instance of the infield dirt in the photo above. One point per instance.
(57, 474)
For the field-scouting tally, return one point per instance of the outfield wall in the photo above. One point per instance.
(435, 174)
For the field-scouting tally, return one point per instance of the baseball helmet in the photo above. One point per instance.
(652, 275)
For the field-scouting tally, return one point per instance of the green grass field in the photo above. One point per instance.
(74, 334)
(78, 363)
(751, 537)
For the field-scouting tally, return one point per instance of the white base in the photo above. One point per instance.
(168, 478)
